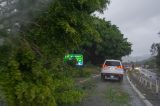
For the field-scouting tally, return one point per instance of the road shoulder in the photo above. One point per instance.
(147, 103)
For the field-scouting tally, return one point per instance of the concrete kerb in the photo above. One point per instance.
(139, 93)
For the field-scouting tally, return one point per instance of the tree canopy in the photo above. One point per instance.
(32, 68)
(110, 43)
(155, 50)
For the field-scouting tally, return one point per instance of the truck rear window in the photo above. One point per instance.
(112, 63)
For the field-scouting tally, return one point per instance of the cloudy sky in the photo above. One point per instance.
(139, 21)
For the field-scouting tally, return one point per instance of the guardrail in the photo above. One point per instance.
(153, 85)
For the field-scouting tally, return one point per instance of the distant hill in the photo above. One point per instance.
(135, 58)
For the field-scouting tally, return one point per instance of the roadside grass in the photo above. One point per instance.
(2, 99)
(85, 81)
(130, 72)
(88, 71)
(117, 97)
(83, 77)
(87, 85)
(85, 71)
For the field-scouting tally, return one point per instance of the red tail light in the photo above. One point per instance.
(120, 67)
(104, 66)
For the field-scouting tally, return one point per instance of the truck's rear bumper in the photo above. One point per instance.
(114, 76)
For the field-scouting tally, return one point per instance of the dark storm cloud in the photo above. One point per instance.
(126, 10)
(139, 20)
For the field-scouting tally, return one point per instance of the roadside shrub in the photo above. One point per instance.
(66, 93)
(26, 80)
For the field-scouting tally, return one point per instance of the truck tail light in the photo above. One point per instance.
(120, 67)
(103, 66)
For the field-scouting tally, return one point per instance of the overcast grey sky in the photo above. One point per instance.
(139, 21)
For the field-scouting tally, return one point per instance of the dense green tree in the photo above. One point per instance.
(33, 72)
(111, 43)
(14, 13)
(155, 50)
(31, 63)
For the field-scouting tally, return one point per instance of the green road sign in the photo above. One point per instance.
(78, 57)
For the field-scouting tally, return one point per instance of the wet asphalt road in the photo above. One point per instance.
(97, 95)
(148, 73)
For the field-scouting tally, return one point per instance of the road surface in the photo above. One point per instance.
(97, 95)
(149, 74)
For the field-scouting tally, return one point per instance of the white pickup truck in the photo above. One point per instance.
(112, 70)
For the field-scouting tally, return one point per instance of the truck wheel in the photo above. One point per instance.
(121, 78)
(102, 77)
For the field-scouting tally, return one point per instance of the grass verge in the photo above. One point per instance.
(117, 97)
